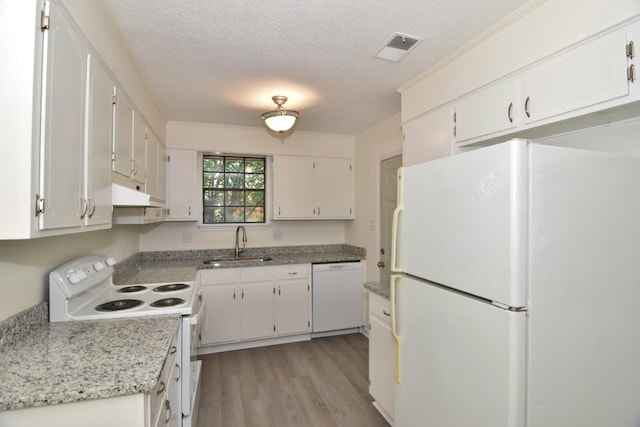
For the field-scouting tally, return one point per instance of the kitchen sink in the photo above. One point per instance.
(231, 261)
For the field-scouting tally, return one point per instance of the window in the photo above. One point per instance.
(233, 189)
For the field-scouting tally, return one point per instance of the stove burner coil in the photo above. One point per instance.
(121, 304)
(171, 287)
(129, 289)
(167, 302)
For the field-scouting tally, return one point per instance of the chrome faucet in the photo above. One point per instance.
(244, 241)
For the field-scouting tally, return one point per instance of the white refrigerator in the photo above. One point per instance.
(516, 289)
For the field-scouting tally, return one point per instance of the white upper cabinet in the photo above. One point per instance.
(591, 82)
(138, 149)
(333, 188)
(580, 78)
(487, 111)
(427, 137)
(123, 138)
(183, 185)
(98, 146)
(293, 179)
(63, 120)
(312, 188)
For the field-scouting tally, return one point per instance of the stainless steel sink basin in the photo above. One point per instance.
(231, 261)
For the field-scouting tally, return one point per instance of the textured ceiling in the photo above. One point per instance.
(221, 61)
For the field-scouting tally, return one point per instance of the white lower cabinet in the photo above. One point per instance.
(255, 304)
(257, 309)
(382, 356)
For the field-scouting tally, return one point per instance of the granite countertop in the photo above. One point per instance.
(175, 266)
(82, 360)
(382, 289)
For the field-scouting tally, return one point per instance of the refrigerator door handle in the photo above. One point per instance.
(394, 326)
(394, 226)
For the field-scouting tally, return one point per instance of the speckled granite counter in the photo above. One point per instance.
(73, 361)
(172, 266)
(382, 289)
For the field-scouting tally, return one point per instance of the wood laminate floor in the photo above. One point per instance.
(322, 382)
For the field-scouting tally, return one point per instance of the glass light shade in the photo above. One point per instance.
(281, 121)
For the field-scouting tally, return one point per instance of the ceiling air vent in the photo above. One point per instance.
(397, 46)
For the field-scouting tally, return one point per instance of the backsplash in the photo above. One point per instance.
(19, 325)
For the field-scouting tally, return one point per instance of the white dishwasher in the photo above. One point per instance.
(337, 298)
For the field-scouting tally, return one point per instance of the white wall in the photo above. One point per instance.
(249, 140)
(379, 142)
(25, 264)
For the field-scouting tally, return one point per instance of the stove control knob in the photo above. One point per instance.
(77, 276)
(110, 261)
(98, 266)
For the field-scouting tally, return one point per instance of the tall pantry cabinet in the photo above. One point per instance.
(56, 115)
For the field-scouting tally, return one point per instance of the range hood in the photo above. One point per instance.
(125, 196)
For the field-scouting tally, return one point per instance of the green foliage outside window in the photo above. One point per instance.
(233, 189)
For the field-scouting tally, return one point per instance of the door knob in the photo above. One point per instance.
(380, 264)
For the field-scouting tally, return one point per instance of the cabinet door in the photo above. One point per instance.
(293, 298)
(382, 364)
(99, 145)
(151, 165)
(182, 185)
(63, 109)
(256, 310)
(221, 319)
(123, 136)
(582, 77)
(138, 148)
(333, 188)
(427, 137)
(489, 110)
(293, 188)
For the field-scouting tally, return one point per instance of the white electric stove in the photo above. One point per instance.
(83, 289)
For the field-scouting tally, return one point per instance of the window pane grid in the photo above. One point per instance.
(233, 189)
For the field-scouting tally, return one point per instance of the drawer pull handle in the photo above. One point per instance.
(385, 313)
(162, 387)
(173, 350)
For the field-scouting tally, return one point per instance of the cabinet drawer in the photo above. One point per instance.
(256, 274)
(380, 307)
(296, 271)
(218, 277)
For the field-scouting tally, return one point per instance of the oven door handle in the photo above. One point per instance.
(199, 316)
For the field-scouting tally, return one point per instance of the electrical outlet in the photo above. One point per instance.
(372, 225)
(187, 237)
(277, 235)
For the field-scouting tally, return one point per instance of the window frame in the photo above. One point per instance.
(268, 188)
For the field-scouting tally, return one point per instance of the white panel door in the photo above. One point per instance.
(183, 186)
(257, 310)
(487, 111)
(462, 360)
(221, 317)
(427, 137)
(587, 75)
(99, 145)
(293, 302)
(123, 138)
(333, 188)
(584, 312)
(464, 222)
(63, 107)
(293, 188)
(139, 146)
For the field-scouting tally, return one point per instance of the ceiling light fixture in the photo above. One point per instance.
(280, 120)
